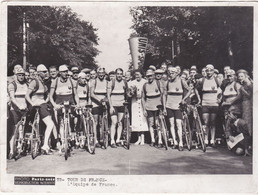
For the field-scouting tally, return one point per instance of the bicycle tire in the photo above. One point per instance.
(127, 132)
(34, 148)
(187, 132)
(15, 140)
(66, 141)
(105, 134)
(90, 138)
(34, 138)
(200, 134)
(164, 132)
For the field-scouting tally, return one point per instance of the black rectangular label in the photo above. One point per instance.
(34, 180)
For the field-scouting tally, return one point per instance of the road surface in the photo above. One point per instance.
(139, 160)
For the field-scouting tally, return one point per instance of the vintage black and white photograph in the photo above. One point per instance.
(129, 89)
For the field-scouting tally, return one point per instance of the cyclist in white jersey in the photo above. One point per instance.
(174, 92)
(38, 97)
(152, 96)
(98, 93)
(16, 90)
(64, 90)
(116, 96)
(211, 97)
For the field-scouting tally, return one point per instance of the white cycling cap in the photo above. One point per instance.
(149, 72)
(82, 75)
(172, 69)
(62, 68)
(210, 66)
(159, 71)
(41, 68)
(20, 71)
(152, 67)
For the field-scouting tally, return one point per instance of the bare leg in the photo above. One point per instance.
(120, 126)
(49, 127)
(113, 128)
(151, 123)
(206, 117)
(180, 132)
(172, 130)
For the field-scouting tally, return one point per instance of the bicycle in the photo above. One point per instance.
(200, 132)
(34, 139)
(187, 132)
(162, 127)
(89, 126)
(104, 128)
(126, 133)
(66, 110)
(19, 143)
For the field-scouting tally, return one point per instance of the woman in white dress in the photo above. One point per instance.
(139, 121)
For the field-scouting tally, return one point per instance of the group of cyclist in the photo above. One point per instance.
(168, 87)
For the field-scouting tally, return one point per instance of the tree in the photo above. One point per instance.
(56, 36)
(200, 35)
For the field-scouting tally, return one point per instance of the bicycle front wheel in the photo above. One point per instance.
(127, 131)
(16, 140)
(187, 132)
(91, 143)
(66, 146)
(35, 141)
(163, 129)
(105, 132)
(200, 134)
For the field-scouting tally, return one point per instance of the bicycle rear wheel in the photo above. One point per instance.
(91, 143)
(127, 132)
(16, 140)
(66, 148)
(200, 134)
(105, 133)
(163, 127)
(35, 140)
(187, 132)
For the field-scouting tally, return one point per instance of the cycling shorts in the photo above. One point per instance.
(118, 109)
(97, 110)
(44, 110)
(152, 113)
(15, 116)
(210, 109)
(177, 114)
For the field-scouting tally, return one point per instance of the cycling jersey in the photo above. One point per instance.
(117, 93)
(20, 91)
(100, 90)
(230, 91)
(38, 96)
(153, 95)
(210, 91)
(175, 92)
(63, 90)
(83, 93)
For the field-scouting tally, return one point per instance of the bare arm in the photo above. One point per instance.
(12, 97)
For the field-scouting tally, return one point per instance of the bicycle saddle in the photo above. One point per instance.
(36, 107)
(126, 103)
(88, 106)
(159, 106)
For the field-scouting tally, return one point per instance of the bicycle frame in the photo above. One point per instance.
(35, 135)
(126, 132)
(199, 131)
(162, 128)
(104, 129)
(18, 143)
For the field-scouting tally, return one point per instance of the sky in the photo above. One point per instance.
(113, 23)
